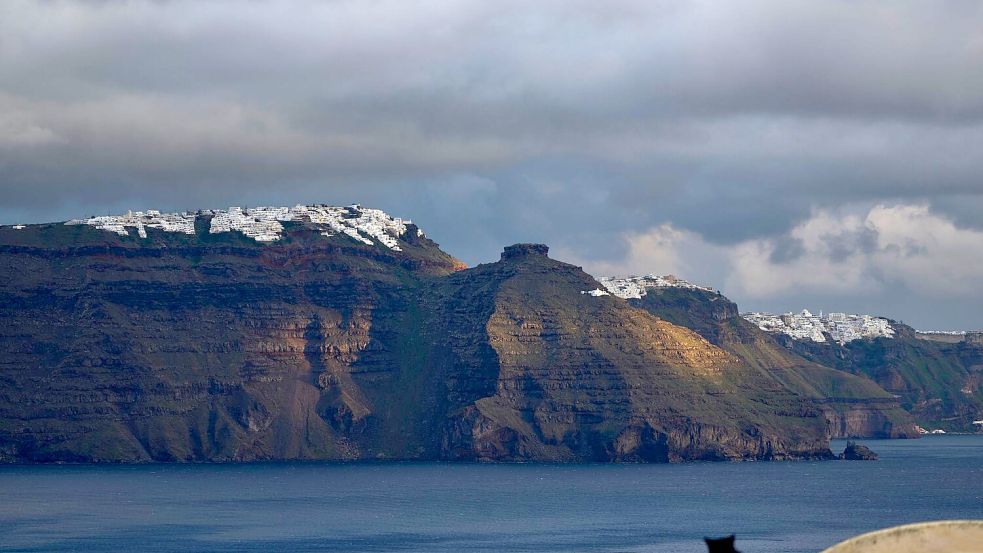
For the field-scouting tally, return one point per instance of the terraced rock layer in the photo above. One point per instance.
(940, 383)
(567, 376)
(214, 347)
(853, 405)
(206, 347)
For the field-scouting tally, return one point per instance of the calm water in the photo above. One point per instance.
(488, 508)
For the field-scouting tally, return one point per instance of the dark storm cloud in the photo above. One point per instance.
(575, 123)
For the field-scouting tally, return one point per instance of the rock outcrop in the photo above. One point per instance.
(857, 452)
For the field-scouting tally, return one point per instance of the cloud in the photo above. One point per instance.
(928, 253)
(845, 257)
(830, 257)
(330, 89)
(662, 250)
(902, 246)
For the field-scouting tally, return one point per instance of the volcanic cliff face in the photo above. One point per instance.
(346, 335)
(854, 406)
(553, 373)
(200, 347)
(939, 382)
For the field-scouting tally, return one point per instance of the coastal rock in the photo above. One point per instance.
(857, 452)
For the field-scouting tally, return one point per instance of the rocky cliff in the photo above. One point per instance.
(540, 370)
(199, 347)
(302, 343)
(940, 383)
(853, 406)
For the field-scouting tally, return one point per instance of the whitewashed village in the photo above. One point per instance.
(263, 224)
(634, 287)
(838, 327)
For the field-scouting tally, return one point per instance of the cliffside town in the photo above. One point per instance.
(634, 287)
(838, 327)
(263, 224)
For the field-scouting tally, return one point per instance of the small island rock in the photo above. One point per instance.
(857, 452)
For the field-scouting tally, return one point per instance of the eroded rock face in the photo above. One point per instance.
(207, 347)
(940, 383)
(561, 375)
(853, 406)
(179, 347)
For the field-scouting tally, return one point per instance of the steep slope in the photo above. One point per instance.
(341, 333)
(940, 383)
(164, 345)
(855, 407)
(540, 370)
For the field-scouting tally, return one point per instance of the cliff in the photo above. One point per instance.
(940, 383)
(355, 340)
(553, 373)
(853, 406)
(197, 347)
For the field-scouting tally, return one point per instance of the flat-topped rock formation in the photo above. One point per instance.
(521, 250)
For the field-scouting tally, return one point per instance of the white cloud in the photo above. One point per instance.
(901, 246)
(828, 259)
(845, 252)
(925, 251)
(661, 250)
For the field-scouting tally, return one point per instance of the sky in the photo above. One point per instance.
(821, 154)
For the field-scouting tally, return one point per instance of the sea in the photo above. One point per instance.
(441, 507)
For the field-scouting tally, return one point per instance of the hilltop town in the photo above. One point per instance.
(634, 287)
(263, 224)
(838, 327)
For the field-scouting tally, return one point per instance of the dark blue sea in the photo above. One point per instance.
(431, 507)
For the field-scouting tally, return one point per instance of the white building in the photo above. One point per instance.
(634, 287)
(838, 327)
(264, 224)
